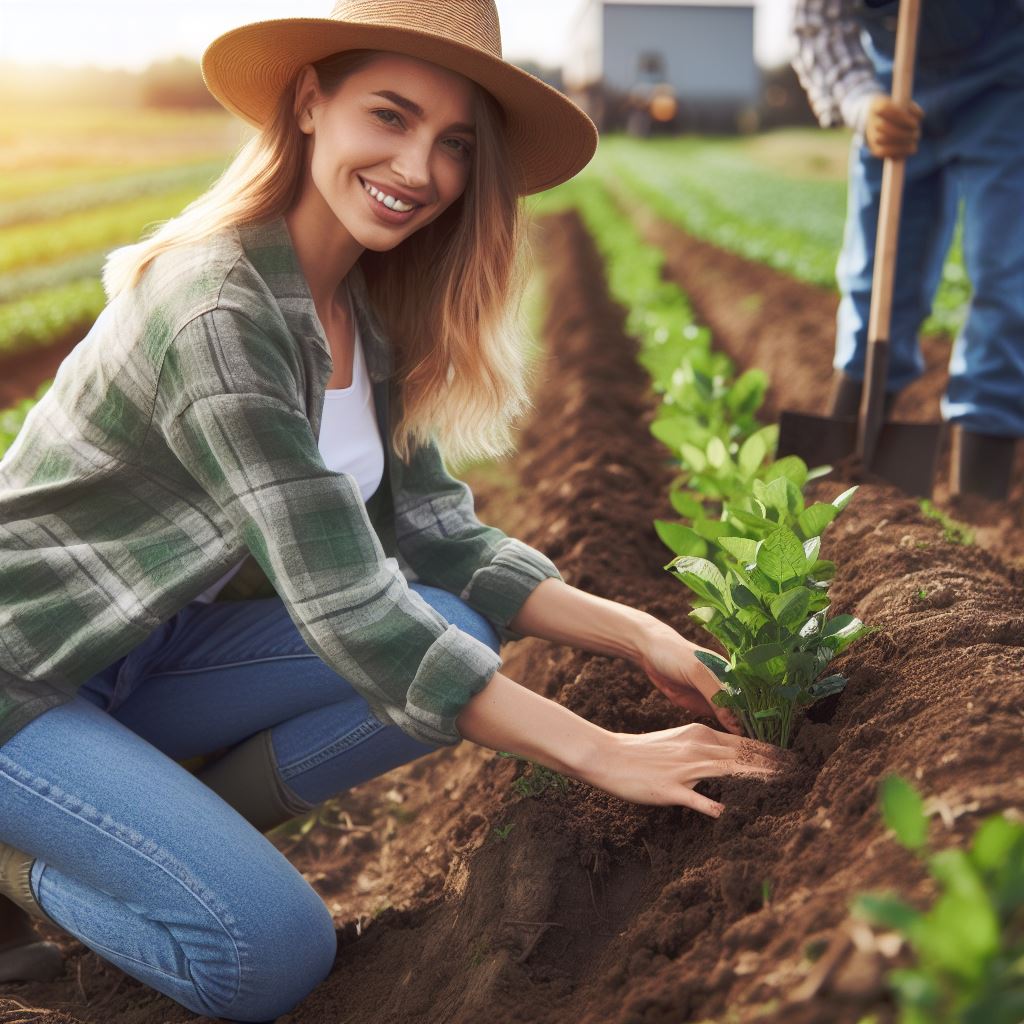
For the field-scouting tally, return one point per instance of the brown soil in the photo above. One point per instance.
(595, 910)
(21, 373)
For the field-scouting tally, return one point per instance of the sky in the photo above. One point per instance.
(133, 33)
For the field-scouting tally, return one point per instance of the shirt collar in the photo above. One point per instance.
(269, 249)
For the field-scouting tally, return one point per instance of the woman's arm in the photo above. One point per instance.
(559, 612)
(647, 768)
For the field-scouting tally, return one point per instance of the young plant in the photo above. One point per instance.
(769, 610)
(969, 946)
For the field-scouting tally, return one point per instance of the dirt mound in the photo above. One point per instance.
(589, 909)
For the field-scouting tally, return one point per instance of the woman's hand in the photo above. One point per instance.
(670, 660)
(663, 767)
(649, 768)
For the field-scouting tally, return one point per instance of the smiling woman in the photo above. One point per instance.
(227, 530)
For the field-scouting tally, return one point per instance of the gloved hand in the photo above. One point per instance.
(892, 129)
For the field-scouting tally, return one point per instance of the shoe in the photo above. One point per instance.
(982, 464)
(23, 955)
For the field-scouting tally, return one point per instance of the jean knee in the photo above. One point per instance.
(289, 952)
(480, 627)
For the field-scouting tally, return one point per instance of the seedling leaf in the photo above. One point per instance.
(680, 539)
(717, 664)
(903, 811)
(845, 498)
(781, 556)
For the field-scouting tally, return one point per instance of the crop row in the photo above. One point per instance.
(90, 195)
(12, 418)
(106, 226)
(763, 589)
(47, 316)
(718, 194)
(747, 544)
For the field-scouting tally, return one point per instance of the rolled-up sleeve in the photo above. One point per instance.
(831, 63)
(308, 529)
(447, 546)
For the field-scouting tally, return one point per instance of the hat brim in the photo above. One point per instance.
(246, 69)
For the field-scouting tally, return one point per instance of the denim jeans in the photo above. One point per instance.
(971, 150)
(148, 867)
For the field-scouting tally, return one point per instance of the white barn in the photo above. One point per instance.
(703, 51)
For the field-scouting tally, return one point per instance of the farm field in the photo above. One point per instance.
(470, 887)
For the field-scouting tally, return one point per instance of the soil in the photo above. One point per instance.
(21, 373)
(583, 907)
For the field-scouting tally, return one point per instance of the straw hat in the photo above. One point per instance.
(247, 68)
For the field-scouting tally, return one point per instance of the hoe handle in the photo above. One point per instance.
(872, 403)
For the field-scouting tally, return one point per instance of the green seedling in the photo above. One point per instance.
(769, 610)
(502, 831)
(969, 945)
(922, 593)
(953, 531)
(536, 779)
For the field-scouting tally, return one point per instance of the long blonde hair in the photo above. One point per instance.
(447, 297)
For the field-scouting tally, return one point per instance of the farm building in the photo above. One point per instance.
(693, 61)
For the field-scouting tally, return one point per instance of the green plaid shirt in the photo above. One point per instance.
(180, 436)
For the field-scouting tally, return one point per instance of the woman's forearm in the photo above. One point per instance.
(507, 716)
(559, 612)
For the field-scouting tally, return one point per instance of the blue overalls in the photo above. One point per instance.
(969, 80)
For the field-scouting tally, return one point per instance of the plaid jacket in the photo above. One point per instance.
(180, 435)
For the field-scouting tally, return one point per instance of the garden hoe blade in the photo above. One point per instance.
(905, 454)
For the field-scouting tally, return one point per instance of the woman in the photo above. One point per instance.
(209, 521)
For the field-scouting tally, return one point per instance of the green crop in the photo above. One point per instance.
(13, 418)
(769, 610)
(720, 191)
(969, 945)
(43, 317)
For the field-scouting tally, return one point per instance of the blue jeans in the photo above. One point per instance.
(148, 867)
(972, 149)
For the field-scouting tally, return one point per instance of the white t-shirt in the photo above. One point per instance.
(349, 440)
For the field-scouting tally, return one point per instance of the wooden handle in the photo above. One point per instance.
(872, 403)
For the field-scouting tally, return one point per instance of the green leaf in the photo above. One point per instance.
(763, 653)
(715, 662)
(744, 597)
(743, 549)
(768, 713)
(751, 454)
(811, 548)
(844, 499)
(780, 556)
(716, 454)
(680, 539)
(813, 520)
(790, 608)
(886, 911)
(822, 570)
(704, 614)
(693, 457)
(995, 841)
(842, 631)
(747, 393)
(903, 811)
(672, 431)
(687, 504)
(791, 468)
(827, 686)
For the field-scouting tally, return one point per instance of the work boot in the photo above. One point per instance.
(844, 397)
(982, 464)
(23, 955)
(247, 778)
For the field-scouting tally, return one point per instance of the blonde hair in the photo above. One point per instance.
(447, 297)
